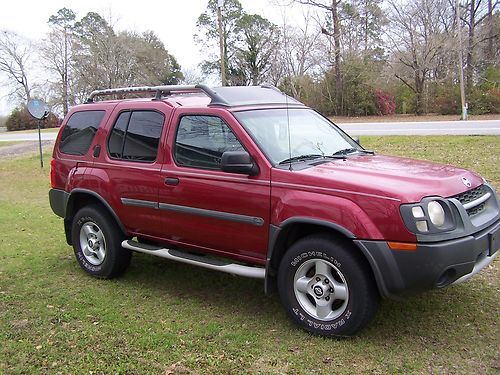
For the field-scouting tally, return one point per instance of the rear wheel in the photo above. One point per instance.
(326, 287)
(97, 243)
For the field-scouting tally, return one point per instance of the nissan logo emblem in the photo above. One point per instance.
(466, 182)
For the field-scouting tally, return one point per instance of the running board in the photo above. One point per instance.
(196, 260)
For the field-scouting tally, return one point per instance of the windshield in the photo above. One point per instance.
(310, 134)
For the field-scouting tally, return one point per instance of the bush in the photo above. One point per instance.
(447, 100)
(481, 102)
(386, 105)
(20, 119)
(405, 100)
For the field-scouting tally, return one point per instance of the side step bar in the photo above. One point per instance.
(196, 260)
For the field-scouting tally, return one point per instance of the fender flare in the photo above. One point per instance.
(274, 235)
(69, 208)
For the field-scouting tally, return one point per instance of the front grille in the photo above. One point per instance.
(471, 196)
(475, 210)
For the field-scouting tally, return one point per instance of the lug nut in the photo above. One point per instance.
(327, 298)
(318, 279)
(327, 281)
(331, 290)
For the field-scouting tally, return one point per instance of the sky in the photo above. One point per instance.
(172, 20)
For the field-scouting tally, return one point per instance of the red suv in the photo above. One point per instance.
(249, 181)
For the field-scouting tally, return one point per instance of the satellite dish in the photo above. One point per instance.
(38, 109)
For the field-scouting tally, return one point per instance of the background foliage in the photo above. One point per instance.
(347, 57)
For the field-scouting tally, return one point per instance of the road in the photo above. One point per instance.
(482, 127)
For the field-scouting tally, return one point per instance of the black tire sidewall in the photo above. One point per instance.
(336, 254)
(111, 237)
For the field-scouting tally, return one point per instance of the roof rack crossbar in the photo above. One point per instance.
(158, 90)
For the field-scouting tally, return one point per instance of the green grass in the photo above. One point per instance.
(163, 317)
(9, 143)
(48, 130)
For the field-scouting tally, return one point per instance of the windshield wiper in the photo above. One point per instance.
(351, 150)
(310, 157)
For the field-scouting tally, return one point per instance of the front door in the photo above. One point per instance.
(205, 208)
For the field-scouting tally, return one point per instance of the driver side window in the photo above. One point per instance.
(201, 141)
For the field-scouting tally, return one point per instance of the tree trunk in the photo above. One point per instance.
(490, 52)
(419, 93)
(470, 47)
(336, 43)
(65, 74)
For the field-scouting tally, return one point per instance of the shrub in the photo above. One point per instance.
(405, 100)
(20, 119)
(447, 100)
(386, 105)
(481, 102)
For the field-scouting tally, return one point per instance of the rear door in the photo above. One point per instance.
(128, 169)
(203, 207)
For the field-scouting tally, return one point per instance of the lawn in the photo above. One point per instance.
(169, 318)
(8, 143)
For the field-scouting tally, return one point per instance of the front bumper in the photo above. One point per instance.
(432, 265)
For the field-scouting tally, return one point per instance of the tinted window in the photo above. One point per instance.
(115, 143)
(79, 132)
(136, 136)
(201, 141)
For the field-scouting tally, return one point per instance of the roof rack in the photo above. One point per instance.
(161, 90)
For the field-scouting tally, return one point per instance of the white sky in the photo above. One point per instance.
(172, 20)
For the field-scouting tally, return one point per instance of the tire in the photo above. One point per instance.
(326, 287)
(97, 243)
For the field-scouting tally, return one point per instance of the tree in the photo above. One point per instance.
(331, 28)
(475, 14)
(106, 59)
(417, 36)
(16, 55)
(259, 40)
(57, 53)
(208, 37)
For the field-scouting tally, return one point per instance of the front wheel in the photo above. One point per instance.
(97, 243)
(326, 287)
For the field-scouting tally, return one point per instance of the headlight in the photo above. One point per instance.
(436, 213)
(432, 215)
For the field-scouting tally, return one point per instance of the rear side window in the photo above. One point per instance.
(79, 132)
(136, 136)
(201, 141)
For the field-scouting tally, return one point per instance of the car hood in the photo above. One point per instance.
(407, 180)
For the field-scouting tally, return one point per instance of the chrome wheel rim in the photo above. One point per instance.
(321, 289)
(92, 243)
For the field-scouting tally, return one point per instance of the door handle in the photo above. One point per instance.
(173, 181)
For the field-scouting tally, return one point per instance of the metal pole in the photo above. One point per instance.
(40, 144)
(460, 61)
(220, 4)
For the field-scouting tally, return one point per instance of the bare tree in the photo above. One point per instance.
(332, 29)
(417, 38)
(56, 52)
(16, 54)
(477, 13)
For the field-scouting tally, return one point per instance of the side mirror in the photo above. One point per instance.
(356, 139)
(238, 162)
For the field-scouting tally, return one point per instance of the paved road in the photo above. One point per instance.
(484, 127)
